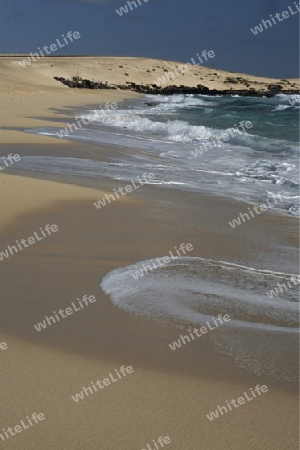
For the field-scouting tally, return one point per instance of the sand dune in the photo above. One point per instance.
(30, 97)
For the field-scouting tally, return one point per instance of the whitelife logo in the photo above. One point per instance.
(217, 141)
(274, 292)
(170, 76)
(124, 9)
(68, 311)
(53, 48)
(86, 120)
(18, 428)
(10, 250)
(165, 260)
(203, 330)
(10, 160)
(3, 346)
(241, 401)
(161, 441)
(263, 207)
(107, 381)
(267, 23)
(128, 188)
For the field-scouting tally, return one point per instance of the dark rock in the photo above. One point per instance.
(77, 82)
(203, 88)
(274, 87)
(152, 104)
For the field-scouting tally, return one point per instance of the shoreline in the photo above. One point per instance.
(89, 345)
(169, 393)
(151, 200)
(35, 89)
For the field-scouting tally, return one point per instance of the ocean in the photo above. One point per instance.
(161, 134)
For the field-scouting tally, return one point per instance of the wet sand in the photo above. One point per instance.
(169, 393)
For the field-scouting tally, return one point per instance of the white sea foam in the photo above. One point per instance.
(162, 134)
(190, 291)
(282, 107)
(173, 130)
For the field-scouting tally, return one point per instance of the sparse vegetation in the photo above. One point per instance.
(231, 80)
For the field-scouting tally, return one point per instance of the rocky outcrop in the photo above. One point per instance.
(275, 87)
(77, 82)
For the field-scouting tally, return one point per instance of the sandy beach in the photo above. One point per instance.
(168, 393)
(33, 88)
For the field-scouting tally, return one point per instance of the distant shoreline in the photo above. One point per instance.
(27, 55)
